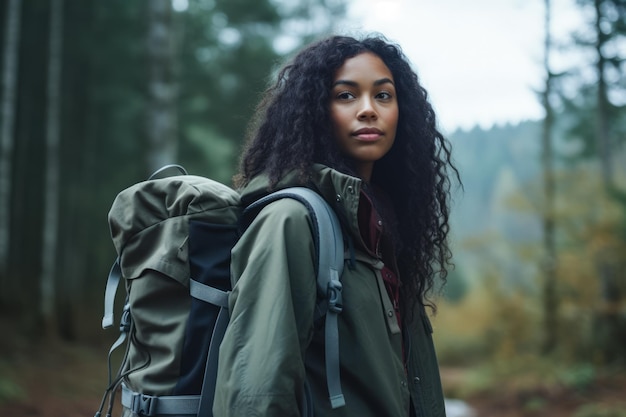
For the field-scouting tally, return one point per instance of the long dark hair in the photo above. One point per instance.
(292, 131)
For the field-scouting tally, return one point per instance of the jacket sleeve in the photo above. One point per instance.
(261, 367)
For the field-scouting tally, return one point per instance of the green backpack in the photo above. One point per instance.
(173, 237)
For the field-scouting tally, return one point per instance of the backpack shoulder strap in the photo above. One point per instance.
(326, 228)
(329, 248)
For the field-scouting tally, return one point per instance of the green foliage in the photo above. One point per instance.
(535, 404)
(592, 93)
(460, 328)
(456, 286)
(578, 376)
(499, 248)
(9, 389)
(472, 380)
(210, 150)
(226, 59)
(242, 11)
(482, 156)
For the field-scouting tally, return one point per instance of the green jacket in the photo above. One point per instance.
(272, 340)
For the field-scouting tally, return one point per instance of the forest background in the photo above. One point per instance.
(97, 95)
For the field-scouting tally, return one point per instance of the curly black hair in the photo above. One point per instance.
(292, 130)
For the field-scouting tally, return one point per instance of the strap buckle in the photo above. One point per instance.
(335, 300)
(126, 319)
(143, 405)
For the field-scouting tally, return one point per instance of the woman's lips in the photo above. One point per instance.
(368, 134)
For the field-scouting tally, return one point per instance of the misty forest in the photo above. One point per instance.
(96, 95)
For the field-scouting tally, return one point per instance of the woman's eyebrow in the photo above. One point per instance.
(355, 84)
(345, 82)
(383, 81)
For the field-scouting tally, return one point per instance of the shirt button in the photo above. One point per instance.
(380, 222)
(390, 313)
(416, 380)
(403, 383)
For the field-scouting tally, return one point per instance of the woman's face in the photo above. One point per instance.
(364, 110)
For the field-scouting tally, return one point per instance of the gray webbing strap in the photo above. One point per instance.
(307, 408)
(157, 174)
(219, 298)
(208, 294)
(332, 342)
(109, 303)
(328, 274)
(168, 405)
(330, 266)
(209, 384)
(109, 293)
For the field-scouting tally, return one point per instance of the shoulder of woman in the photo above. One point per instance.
(284, 209)
(285, 219)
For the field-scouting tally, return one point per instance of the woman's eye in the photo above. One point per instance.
(345, 95)
(384, 95)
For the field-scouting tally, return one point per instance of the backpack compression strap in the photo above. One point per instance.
(329, 266)
(219, 298)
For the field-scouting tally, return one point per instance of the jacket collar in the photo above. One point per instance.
(340, 190)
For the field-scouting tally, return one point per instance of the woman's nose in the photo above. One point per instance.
(367, 110)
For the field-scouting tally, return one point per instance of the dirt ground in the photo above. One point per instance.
(61, 380)
(602, 400)
(604, 396)
(53, 379)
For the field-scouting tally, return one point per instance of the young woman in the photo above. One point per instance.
(349, 119)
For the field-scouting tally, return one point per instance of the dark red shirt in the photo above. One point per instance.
(378, 239)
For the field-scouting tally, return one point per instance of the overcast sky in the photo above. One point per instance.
(478, 59)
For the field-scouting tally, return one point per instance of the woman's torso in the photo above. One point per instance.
(379, 376)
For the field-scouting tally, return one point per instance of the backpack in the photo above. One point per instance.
(173, 237)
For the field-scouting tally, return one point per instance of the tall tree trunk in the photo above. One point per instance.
(550, 298)
(610, 326)
(52, 187)
(7, 134)
(161, 120)
(602, 107)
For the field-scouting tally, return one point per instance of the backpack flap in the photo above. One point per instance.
(149, 222)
